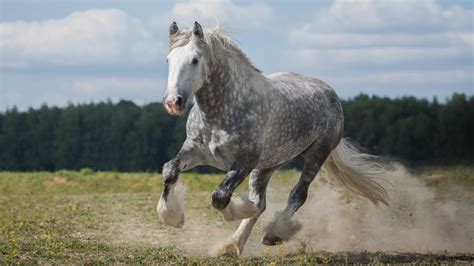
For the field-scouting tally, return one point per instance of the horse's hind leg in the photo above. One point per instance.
(258, 182)
(282, 226)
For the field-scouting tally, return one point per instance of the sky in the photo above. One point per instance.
(80, 51)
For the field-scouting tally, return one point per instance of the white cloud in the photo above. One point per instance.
(377, 57)
(110, 36)
(392, 79)
(393, 16)
(96, 36)
(406, 43)
(118, 88)
(337, 40)
(235, 17)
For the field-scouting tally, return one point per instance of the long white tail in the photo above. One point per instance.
(357, 171)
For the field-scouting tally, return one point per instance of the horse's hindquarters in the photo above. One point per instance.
(304, 110)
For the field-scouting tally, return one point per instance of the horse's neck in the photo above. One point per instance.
(228, 88)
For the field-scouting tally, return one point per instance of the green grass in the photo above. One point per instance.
(76, 182)
(458, 175)
(92, 217)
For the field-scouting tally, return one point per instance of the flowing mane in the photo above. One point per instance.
(214, 39)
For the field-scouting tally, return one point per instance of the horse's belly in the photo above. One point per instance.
(279, 152)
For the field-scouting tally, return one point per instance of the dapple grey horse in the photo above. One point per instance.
(246, 123)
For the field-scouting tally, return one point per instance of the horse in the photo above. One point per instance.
(249, 124)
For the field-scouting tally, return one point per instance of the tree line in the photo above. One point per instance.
(126, 137)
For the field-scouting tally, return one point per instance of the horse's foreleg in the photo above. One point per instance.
(170, 205)
(221, 196)
(258, 182)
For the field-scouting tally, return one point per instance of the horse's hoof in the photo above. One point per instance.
(226, 249)
(220, 199)
(170, 217)
(291, 247)
(271, 240)
(181, 222)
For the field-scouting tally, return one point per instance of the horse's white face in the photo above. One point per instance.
(186, 76)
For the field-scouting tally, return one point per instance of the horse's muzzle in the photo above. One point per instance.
(175, 106)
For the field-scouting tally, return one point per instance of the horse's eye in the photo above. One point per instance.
(194, 61)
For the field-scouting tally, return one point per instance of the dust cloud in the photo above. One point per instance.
(417, 219)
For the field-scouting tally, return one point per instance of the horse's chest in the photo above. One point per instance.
(221, 147)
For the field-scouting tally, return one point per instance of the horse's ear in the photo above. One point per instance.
(173, 28)
(197, 30)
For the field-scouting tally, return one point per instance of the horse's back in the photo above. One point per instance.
(303, 109)
(312, 93)
(296, 86)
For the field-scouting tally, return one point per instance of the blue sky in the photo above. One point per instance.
(57, 52)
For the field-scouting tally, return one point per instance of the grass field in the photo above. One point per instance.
(89, 217)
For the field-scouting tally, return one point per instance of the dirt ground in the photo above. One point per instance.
(69, 217)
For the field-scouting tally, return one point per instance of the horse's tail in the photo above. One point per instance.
(357, 171)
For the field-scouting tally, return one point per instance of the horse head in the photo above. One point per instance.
(187, 68)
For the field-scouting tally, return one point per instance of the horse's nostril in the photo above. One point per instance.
(178, 101)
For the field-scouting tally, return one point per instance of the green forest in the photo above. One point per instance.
(126, 137)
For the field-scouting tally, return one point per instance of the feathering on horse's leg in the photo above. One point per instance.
(239, 207)
(170, 207)
(258, 182)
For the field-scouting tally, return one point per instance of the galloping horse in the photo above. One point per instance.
(246, 123)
